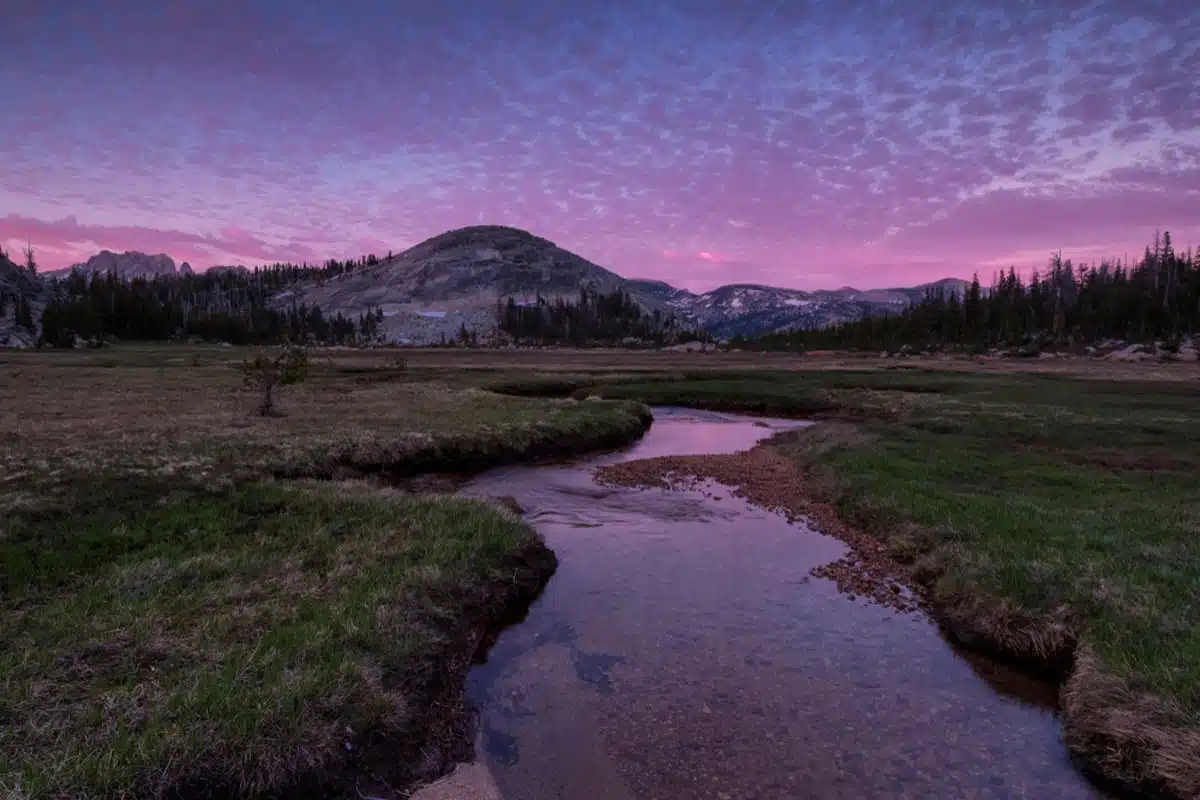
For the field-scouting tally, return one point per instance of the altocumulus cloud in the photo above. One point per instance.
(789, 142)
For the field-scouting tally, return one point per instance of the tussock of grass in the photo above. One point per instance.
(1128, 735)
(236, 639)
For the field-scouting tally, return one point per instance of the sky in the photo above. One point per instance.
(797, 143)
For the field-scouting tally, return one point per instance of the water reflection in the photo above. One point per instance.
(682, 650)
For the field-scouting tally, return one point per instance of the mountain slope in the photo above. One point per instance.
(127, 266)
(455, 279)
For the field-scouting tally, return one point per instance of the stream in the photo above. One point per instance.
(682, 650)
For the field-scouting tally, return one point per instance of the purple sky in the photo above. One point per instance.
(793, 142)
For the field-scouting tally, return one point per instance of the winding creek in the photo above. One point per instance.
(683, 651)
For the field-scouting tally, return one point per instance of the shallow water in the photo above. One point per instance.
(683, 651)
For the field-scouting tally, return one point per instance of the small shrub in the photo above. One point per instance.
(265, 373)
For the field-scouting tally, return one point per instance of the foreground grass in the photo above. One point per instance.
(159, 637)
(177, 621)
(1055, 520)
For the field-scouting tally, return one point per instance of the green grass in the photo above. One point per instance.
(1120, 549)
(176, 619)
(158, 636)
(748, 395)
(170, 618)
(1045, 492)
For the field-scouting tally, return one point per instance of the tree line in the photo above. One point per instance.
(1154, 299)
(235, 306)
(22, 310)
(593, 318)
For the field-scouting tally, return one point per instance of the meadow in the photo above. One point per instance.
(201, 600)
(198, 597)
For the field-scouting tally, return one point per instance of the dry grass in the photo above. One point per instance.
(64, 414)
(1127, 735)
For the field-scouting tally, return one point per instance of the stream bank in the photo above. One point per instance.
(689, 646)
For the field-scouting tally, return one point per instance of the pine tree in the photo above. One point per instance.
(30, 260)
(24, 314)
(1157, 298)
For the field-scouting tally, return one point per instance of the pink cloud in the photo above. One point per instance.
(66, 241)
(630, 133)
(698, 255)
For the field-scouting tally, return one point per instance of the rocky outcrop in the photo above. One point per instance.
(127, 266)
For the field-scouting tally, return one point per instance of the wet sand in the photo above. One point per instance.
(686, 649)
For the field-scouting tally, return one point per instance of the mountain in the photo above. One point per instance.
(22, 294)
(432, 291)
(746, 309)
(127, 266)
(454, 280)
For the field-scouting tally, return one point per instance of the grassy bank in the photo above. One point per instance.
(241, 640)
(1052, 520)
(67, 415)
(178, 620)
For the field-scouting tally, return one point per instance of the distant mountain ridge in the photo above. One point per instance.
(127, 266)
(746, 309)
(453, 281)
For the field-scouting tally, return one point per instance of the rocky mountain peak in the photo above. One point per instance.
(127, 266)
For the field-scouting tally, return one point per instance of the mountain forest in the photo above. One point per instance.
(235, 306)
(595, 318)
(1154, 299)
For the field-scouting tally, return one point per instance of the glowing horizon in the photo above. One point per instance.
(810, 146)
